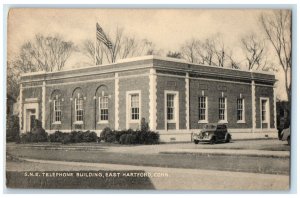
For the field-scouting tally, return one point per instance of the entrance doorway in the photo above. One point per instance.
(31, 114)
(30, 119)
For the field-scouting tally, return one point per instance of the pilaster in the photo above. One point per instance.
(187, 101)
(116, 101)
(152, 99)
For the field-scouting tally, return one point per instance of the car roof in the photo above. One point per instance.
(215, 124)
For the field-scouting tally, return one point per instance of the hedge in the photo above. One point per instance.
(12, 128)
(37, 135)
(129, 136)
(73, 137)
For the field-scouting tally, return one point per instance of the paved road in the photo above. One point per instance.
(166, 178)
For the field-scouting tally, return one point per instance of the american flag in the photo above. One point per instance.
(102, 37)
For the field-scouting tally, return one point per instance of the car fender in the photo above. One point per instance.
(211, 136)
(228, 135)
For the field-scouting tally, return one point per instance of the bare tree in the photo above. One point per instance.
(219, 50)
(12, 79)
(174, 55)
(278, 28)
(122, 46)
(190, 50)
(42, 54)
(48, 53)
(89, 50)
(206, 52)
(211, 52)
(232, 62)
(254, 50)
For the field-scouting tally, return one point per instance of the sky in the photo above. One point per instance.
(168, 29)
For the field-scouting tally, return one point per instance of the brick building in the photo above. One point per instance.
(175, 98)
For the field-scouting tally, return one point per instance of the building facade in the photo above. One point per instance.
(175, 98)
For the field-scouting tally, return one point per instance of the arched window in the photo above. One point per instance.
(103, 108)
(103, 104)
(57, 103)
(79, 109)
(78, 105)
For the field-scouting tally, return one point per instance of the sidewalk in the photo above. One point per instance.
(231, 152)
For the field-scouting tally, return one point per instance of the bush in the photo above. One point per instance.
(89, 137)
(130, 137)
(73, 137)
(33, 137)
(108, 135)
(12, 128)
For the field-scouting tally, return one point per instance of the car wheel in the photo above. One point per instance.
(228, 138)
(289, 140)
(196, 141)
(213, 140)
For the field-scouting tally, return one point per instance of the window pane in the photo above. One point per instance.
(170, 106)
(202, 108)
(79, 109)
(103, 106)
(240, 109)
(222, 108)
(263, 110)
(135, 103)
(57, 111)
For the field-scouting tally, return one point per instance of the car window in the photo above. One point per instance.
(209, 126)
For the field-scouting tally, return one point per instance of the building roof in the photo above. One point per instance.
(159, 63)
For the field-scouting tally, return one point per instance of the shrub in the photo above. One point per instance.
(57, 136)
(66, 138)
(108, 135)
(122, 139)
(34, 137)
(12, 128)
(144, 125)
(76, 136)
(137, 137)
(89, 136)
(73, 137)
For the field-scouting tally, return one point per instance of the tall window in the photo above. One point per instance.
(222, 109)
(79, 109)
(264, 110)
(135, 106)
(240, 109)
(170, 106)
(103, 105)
(202, 108)
(57, 110)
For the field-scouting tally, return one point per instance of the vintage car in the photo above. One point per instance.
(286, 135)
(212, 133)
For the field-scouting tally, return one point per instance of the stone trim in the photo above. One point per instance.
(128, 111)
(152, 99)
(176, 103)
(44, 104)
(21, 107)
(207, 79)
(253, 105)
(98, 80)
(116, 101)
(275, 111)
(268, 117)
(187, 101)
(67, 76)
(33, 105)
